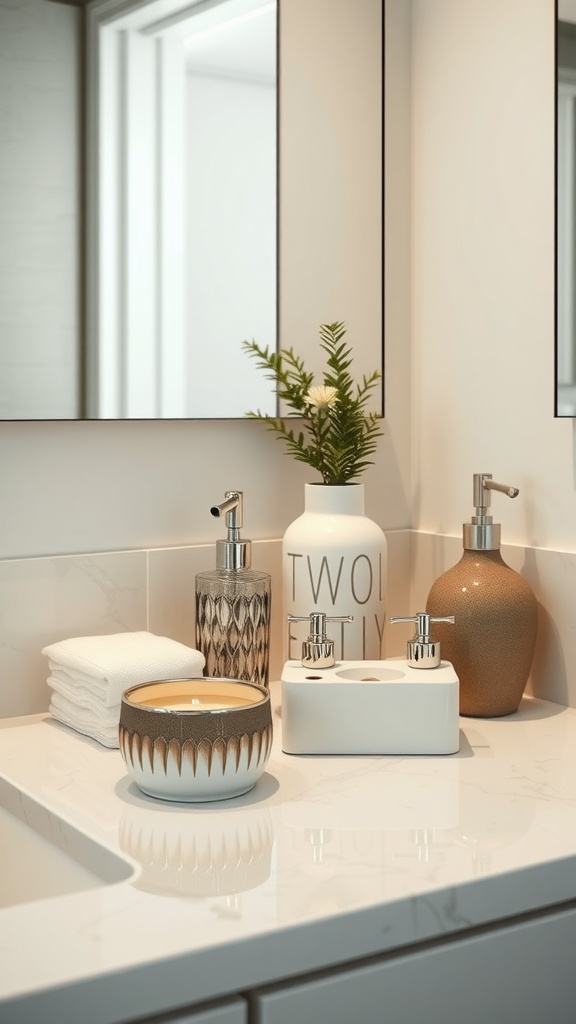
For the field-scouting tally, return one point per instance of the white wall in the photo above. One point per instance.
(483, 270)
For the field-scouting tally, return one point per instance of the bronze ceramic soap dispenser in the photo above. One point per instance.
(491, 644)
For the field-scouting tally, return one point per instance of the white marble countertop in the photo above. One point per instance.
(326, 860)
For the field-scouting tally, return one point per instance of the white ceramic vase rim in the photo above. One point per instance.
(334, 499)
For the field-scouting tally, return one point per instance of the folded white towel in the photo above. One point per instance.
(83, 698)
(105, 666)
(85, 721)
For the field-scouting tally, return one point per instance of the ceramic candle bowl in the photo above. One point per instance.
(195, 739)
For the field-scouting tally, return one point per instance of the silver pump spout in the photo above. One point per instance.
(234, 552)
(482, 534)
(318, 649)
(422, 650)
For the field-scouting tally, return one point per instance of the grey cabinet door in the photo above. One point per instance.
(520, 974)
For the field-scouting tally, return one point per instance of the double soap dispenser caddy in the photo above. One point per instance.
(233, 604)
(395, 706)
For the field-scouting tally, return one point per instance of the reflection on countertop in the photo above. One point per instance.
(186, 852)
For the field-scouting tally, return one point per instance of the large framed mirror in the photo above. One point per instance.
(222, 162)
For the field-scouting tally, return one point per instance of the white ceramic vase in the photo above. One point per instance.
(334, 560)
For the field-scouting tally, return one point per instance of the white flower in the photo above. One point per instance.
(322, 397)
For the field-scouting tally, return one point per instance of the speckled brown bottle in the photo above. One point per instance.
(492, 641)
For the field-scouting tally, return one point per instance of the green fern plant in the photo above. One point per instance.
(339, 435)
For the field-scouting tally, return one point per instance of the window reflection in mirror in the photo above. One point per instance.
(186, 201)
(230, 227)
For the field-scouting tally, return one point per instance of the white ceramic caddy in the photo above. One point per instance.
(376, 707)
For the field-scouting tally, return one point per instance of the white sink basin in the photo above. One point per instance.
(43, 856)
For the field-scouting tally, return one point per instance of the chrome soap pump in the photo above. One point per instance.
(233, 605)
(491, 644)
(318, 649)
(423, 650)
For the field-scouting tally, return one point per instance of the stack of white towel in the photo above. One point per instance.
(88, 675)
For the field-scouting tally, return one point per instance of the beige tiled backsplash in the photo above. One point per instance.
(47, 599)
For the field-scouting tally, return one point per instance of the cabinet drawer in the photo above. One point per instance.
(522, 974)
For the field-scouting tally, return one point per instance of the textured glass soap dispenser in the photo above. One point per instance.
(233, 605)
(491, 644)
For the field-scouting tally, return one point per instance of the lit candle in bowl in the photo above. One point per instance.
(200, 704)
(195, 739)
(202, 694)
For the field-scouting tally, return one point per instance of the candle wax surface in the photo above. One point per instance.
(199, 702)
